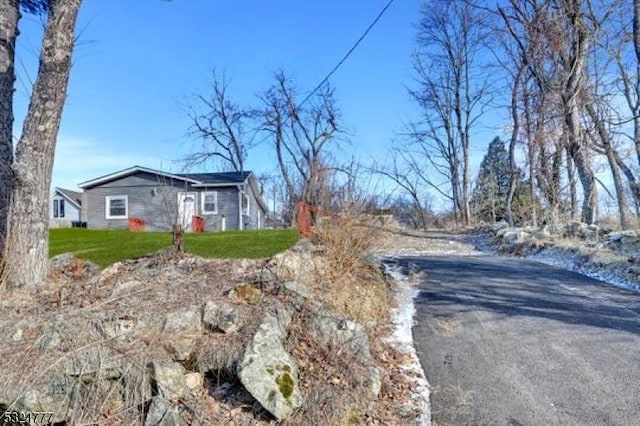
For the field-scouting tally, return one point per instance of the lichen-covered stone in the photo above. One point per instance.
(268, 372)
(246, 293)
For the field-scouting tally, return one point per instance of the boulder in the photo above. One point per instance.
(499, 225)
(182, 328)
(116, 328)
(68, 264)
(218, 317)
(161, 413)
(342, 334)
(169, 379)
(94, 362)
(627, 237)
(56, 399)
(268, 372)
(516, 237)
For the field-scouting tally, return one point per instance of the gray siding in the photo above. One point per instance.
(155, 200)
(227, 206)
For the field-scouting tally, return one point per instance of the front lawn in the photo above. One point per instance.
(104, 247)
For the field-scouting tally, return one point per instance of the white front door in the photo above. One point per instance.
(186, 209)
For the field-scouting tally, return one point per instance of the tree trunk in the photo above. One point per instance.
(10, 13)
(573, 191)
(585, 174)
(27, 261)
(609, 150)
(513, 172)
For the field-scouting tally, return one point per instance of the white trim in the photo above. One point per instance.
(215, 185)
(202, 203)
(248, 212)
(107, 207)
(59, 193)
(55, 207)
(130, 171)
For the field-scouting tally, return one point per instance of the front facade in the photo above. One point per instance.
(223, 201)
(65, 208)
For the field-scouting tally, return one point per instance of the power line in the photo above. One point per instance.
(345, 57)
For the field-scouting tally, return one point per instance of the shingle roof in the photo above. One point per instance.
(218, 178)
(71, 195)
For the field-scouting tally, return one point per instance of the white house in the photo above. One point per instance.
(65, 208)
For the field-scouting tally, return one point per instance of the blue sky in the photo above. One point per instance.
(139, 62)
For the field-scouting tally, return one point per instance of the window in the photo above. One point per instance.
(58, 208)
(116, 206)
(209, 203)
(245, 204)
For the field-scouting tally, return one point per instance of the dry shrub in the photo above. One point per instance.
(351, 282)
(333, 380)
(347, 239)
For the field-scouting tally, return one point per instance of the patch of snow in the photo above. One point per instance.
(402, 338)
(566, 261)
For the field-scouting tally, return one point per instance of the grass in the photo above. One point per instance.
(105, 247)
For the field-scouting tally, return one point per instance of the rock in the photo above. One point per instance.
(375, 381)
(169, 378)
(268, 372)
(68, 264)
(298, 263)
(193, 382)
(161, 413)
(183, 328)
(136, 386)
(246, 293)
(500, 233)
(17, 335)
(35, 400)
(217, 317)
(49, 341)
(94, 362)
(116, 327)
(296, 289)
(340, 334)
(623, 237)
(499, 225)
(540, 233)
(335, 331)
(516, 237)
(125, 287)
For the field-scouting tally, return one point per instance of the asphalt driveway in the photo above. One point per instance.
(514, 342)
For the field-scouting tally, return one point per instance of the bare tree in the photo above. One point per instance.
(226, 129)
(301, 136)
(451, 92)
(26, 263)
(403, 173)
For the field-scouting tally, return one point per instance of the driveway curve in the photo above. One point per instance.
(515, 342)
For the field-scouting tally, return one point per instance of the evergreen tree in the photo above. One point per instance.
(492, 184)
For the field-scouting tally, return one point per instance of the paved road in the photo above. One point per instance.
(514, 342)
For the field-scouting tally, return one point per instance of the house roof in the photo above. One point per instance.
(73, 197)
(222, 178)
(194, 178)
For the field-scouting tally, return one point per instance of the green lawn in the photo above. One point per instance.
(104, 247)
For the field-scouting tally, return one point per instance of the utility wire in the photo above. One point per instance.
(345, 57)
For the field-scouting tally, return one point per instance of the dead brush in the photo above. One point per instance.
(348, 283)
(347, 239)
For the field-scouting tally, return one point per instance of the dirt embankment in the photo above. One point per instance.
(178, 337)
